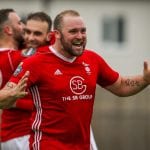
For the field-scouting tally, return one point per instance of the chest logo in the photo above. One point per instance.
(58, 72)
(77, 85)
(87, 68)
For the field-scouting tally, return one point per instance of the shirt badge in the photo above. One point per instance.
(18, 70)
(87, 68)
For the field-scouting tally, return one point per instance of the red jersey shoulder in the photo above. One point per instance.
(17, 54)
(43, 49)
(13, 56)
(35, 59)
(91, 55)
(3, 55)
(10, 53)
(91, 52)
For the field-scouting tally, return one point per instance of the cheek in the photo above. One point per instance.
(68, 38)
(40, 39)
(25, 37)
(19, 28)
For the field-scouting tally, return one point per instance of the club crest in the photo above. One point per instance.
(18, 70)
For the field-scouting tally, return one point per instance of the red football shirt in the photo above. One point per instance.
(63, 91)
(15, 121)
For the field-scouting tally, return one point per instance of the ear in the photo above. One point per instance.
(51, 38)
(8, 30)
(48, 37)
(57, 34)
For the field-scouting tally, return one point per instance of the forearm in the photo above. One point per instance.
(133, 85)
(127, 86)
(7, 98)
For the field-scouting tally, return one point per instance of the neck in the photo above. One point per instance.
(5, 43)
(60, 50)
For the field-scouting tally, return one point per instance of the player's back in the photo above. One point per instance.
(9, 59)
(13, 122)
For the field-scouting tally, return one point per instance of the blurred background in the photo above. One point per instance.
(119, 30)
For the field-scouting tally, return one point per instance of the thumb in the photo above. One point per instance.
(145, 65)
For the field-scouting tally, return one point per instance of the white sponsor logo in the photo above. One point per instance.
(58, 72)
(77, 86)
(77, 97)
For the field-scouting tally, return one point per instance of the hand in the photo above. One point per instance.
(20, 89)
(9, 94)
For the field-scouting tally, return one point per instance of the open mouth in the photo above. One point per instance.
(78, 43)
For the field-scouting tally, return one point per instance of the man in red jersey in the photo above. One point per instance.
(35, 35)
(33, 38)
(17, 118)
(11, 37)
(63, 84)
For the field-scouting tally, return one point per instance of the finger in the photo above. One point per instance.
(22, 94)
(25, 75)
(24, 78)
(22, 87)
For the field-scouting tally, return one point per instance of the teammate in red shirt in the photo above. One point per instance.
(63, 82)
(18, 118)
(11, 37)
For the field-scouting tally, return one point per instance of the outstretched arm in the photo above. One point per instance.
(127, 86)
(11, 92)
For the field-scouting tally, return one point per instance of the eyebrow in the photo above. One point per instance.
(26, 29)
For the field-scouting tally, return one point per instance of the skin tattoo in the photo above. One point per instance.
(130, 82)
(10, 85)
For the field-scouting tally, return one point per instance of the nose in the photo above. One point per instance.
(79, 35)
(30, 37)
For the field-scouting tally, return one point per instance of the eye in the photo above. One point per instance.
(20, 23)
(73, 31)
(83, 30)
(26, 31)
(37, 33)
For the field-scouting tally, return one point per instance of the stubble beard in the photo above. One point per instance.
(18, 37)
(67, 47)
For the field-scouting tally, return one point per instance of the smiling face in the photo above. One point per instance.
(36, 33)
(72, 36)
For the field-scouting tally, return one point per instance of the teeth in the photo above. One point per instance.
(77, 42)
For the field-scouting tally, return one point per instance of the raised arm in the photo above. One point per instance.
(127, 86)
(11, 92)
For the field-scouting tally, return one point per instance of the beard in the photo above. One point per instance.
(18, 38)
(70, 48)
